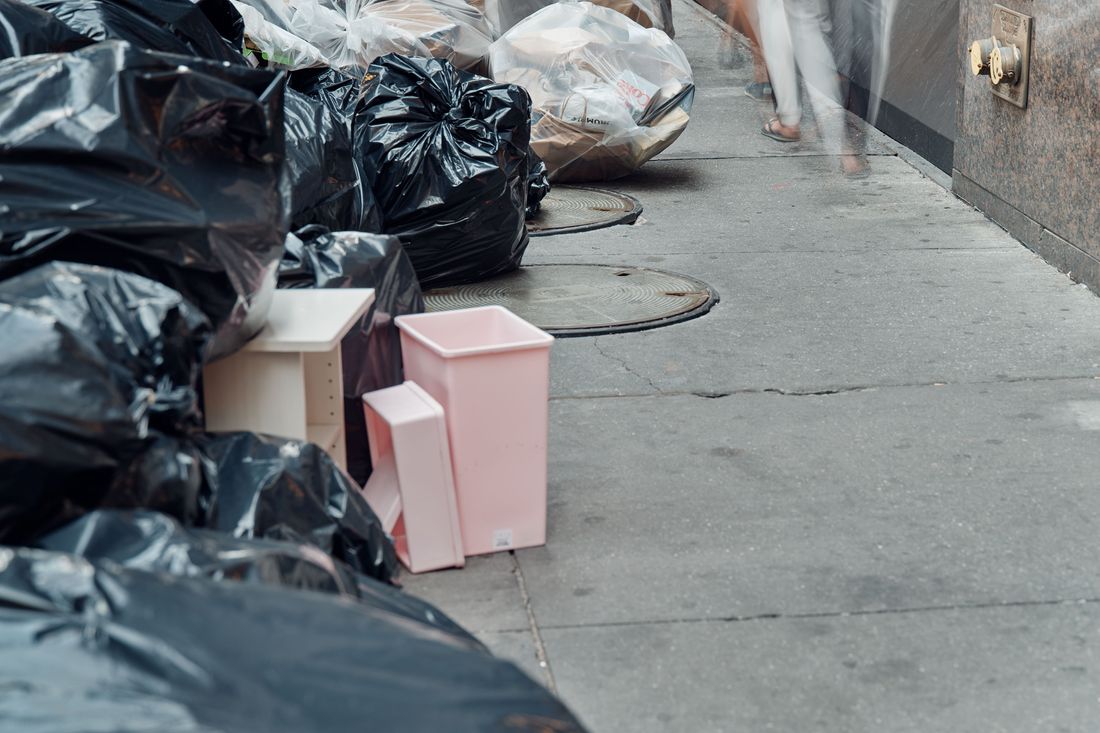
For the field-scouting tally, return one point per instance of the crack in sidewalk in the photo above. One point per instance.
(533, 627)
(623, 363)
(799, 393)
(825, 391)
(977, 606)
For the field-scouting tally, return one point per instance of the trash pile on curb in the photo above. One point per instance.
(168, 169)
(608, 94)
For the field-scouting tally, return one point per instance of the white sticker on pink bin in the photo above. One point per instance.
(502, 539)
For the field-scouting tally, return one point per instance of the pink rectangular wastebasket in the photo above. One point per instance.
(411, 488)
(490, 370)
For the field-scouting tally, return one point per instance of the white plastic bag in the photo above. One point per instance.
(277, 45)
(353, 33)
(607, 93)
(444, 29)
(504, 14)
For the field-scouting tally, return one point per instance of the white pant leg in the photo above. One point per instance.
(809, 25)
(775, 37)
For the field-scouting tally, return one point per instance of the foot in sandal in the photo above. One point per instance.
(776, 130)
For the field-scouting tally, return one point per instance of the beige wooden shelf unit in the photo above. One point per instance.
(288, 381)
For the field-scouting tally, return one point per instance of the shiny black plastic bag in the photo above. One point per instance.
(341, 90)
(211, 29)
(447, 152)
(97, 398)
(371, 352)
(283, 489)
(341, 93)
(151, 163)
(325, 181)
(144, 540)
(95, 644)
(25, 31)
(538, 183)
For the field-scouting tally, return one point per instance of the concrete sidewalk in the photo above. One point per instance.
(859, 495)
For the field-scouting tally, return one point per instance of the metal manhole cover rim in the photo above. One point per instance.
(628, 216)
(712, 299)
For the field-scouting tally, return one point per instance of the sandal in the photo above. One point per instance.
(772, 130)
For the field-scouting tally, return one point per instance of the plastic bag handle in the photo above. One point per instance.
(565, 103)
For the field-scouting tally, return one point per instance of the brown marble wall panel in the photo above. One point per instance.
(1042, 161)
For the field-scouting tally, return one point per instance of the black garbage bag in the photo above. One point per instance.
(93, 643)
(340, 89)
(150, 163)
(25, 31)
(224, 16)
(371, 352)
(447, 152)
(145, 540)
(282, 489)
(325, 180)
(97, 398)
(211, 29)
(341, 93)
(538, 183)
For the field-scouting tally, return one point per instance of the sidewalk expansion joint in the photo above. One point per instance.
(824, 392)
(555, 259)
(946, 608)
(533, 627)
(766, 156)
(875, 387)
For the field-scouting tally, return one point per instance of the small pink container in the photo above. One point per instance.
(490, 370)
(411, 488)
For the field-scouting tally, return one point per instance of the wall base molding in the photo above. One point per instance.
(1078, 264)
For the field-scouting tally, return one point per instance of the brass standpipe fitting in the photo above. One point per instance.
(1004, 65)
(980, 51)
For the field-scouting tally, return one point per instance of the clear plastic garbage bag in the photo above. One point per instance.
(300, 34)
(504, 14)
(275, 45)
(607, 94)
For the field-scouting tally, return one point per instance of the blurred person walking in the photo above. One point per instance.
(742, 17)
(793, 34)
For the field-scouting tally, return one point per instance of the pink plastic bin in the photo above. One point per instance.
(490, 370)
(411, 488)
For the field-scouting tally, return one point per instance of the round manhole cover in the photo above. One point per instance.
(585, 300)
(576, 209)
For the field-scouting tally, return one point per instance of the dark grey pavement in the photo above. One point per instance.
(860, 495)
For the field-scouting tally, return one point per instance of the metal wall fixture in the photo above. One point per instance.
(1005, 57)
(980, 51)
(1004, 65)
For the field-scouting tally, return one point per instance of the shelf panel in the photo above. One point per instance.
(326, 436)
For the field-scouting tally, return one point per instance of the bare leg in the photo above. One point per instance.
(741, 14)
(759, 68)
